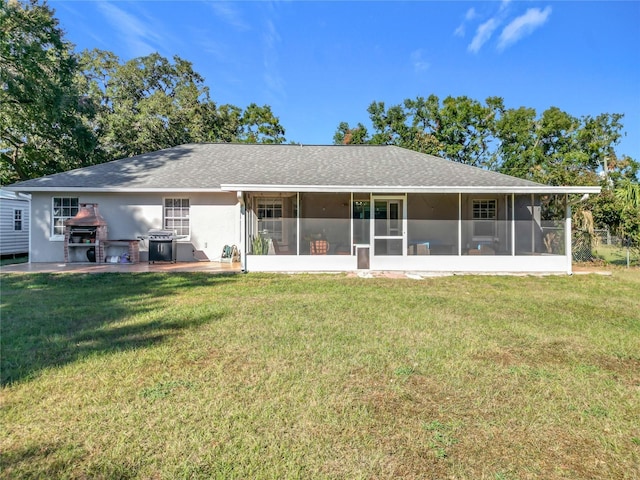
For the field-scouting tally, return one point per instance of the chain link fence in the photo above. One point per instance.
(602, 245)
(581, 246)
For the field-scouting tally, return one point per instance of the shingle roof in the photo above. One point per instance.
(209, 167)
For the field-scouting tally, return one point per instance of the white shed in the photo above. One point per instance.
(15, 208)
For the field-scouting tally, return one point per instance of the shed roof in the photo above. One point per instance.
(260, 167)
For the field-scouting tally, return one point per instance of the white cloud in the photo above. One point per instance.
(483, 34)
(271, 76)
(419, 63)
(225, 11)
(216, 49)
(504, 4)
(471, 14)
(522, 26)
(141, 38)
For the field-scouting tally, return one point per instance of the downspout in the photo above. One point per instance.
(351, 223)
(460, 224)
(567, 234)
(513, 224)
(298, 239)
(243, 226)
(30, 229)
(405, 224)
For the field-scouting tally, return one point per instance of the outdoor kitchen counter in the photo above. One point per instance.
(133, 247)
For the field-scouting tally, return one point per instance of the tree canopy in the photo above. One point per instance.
(41, 110)
(554, 147)
(61, 110)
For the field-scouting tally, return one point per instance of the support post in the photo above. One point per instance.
(243, 230)
(567, 235)
(459, 224)
(533, 226)
(513, 224)
(298, 223)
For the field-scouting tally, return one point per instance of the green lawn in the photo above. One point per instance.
(616, 255)
(169, 376)
(13, 260)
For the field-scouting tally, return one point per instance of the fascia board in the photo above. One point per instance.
(542, 189)
(408, 189)
(115, 190)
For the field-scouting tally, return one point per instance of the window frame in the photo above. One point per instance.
(484, 217)
(71, 213)
(273, 204)
(18, 219)
(180, 218)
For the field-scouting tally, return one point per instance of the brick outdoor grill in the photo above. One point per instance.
(85, 233)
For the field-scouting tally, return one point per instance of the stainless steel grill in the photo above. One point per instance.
(162, 245)
(159, 234)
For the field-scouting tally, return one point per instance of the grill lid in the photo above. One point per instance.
(159, 234)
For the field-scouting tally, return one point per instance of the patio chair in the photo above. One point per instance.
(486, 250)
(319, 247)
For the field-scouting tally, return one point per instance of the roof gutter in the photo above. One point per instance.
(541, 189)
(114, 190)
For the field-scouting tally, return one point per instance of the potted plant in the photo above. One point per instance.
(259, 245)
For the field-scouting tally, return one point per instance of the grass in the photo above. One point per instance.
(617, 255)
(275, 376)
(14, 259)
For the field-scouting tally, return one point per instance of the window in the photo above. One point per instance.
(484, 218)
(64, 208)
(176, 215)
(17, 220)
(270, 218)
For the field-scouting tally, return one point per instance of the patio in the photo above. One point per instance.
(142, 267)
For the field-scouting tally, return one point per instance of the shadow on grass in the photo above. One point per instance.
(29, 460)
(52, 320)
(14, 259)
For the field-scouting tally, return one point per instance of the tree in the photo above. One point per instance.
(41, 125)
(146, 103)
(425, 122)
(459, 130)
(628, 194)
(598, 137)
(515, 132)
(559, 158)
(149, 103)
(259, 125)
(345, 135)
(464, 130)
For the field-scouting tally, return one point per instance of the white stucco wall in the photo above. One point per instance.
(214, 220)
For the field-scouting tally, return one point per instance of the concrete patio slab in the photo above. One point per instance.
(142, 267)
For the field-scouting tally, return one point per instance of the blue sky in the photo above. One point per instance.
(319, 63)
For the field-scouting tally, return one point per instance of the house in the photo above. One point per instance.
(14, 223)
(316, 208)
